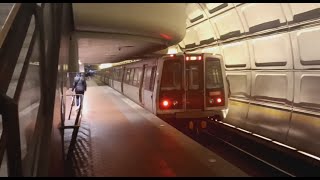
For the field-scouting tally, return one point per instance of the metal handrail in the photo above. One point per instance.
(12, 37)
(3, 142)
(6, 27)
(73, 95)
(76, 125)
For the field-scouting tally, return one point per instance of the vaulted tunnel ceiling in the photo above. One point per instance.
(112, 32)
(235, 30)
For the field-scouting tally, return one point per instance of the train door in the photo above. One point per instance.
(141, 89)
(194, 83)
(121, 77)
(151, 86)
(113, 76)
(147, 87)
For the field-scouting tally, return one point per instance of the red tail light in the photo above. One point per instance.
(219, 100)
(170, 100)
(165, 103)
(170, 104)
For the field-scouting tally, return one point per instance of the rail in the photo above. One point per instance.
(12, 37)
(267, 151)
(8, 22)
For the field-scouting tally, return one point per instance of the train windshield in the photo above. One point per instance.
(171, 75)
(213, 74)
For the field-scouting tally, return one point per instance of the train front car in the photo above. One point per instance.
(217, 88)
(192, 89)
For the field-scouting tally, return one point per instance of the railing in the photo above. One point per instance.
(6, 27)
(12, 38)
(76, 125)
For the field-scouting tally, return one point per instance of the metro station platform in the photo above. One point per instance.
(119, 138)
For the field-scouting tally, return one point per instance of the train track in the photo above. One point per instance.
(272, 169)
(251, 156)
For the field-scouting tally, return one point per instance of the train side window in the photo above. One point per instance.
(137, 76)
(153, 77)
(115, 74)
(121, 74)
(131, 76)
(147, 78)
(127, 76)
(108, 75)
(118, 75)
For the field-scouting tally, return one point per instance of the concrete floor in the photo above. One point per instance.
(119, 138)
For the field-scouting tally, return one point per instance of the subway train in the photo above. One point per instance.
(180, 88)
(249, 113)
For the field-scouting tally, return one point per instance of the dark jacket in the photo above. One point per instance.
(79, 84)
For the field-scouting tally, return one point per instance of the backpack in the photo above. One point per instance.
(79, 85)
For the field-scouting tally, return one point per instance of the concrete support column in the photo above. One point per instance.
(74, 55)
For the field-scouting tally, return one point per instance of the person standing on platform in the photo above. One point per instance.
(80, 86)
